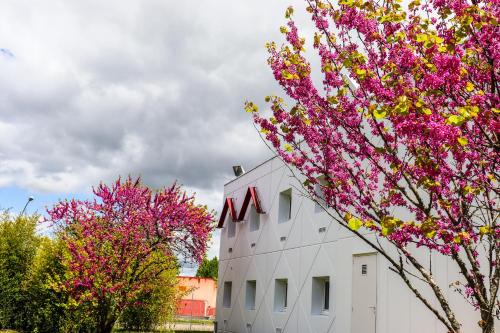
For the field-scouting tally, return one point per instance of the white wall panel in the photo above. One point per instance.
(307, 253)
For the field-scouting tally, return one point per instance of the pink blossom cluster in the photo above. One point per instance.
(119, 242)
(404, 131)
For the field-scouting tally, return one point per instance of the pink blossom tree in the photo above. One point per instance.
(119, 243)
(401, 135)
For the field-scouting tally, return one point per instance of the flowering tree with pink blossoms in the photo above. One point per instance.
(119, 243)
(401, 136)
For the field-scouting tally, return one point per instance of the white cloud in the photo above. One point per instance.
(96, 89)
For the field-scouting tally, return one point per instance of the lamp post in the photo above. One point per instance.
(30, 199)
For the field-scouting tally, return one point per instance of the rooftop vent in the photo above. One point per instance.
(238, 170)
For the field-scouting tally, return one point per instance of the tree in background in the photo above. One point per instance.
(121, 242)
(47, 308)
(401, 139)
(18, 246)
(208, 268)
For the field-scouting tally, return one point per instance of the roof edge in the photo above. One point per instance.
(252, 169)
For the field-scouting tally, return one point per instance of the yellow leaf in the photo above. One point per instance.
(379, 114)
(317, 38)
(431, 234)
(463, 141)
(422, 38)
(361, 73)
(369, 223)
(288, 147)
(438, 40)
(348, 3)
(474, 110)
(427, 111)
(469, 86)
(251, 107)
(455, 120)
(442, 49)
(287, 75)
(355, 223)
(414, 4)
(486, 229)
(289, 12)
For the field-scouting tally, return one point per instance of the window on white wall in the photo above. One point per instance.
(250, 294)
(285, 206)
(320, 295)
(320, 195)
(231, 228)
(254, 219)
(280, 295)
(226, 297)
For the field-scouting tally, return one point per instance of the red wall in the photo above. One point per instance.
(187, 307)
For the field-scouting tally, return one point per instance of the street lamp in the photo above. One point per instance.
(30, 199)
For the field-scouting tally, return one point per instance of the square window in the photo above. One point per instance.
(320, 295)
(285, 206)
(250, 295)
(226, 298)
(280, 295)
(254, 219)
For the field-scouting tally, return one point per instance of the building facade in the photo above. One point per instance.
(285, 267)
(200, 298)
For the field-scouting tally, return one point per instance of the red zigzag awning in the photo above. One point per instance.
(229, 206)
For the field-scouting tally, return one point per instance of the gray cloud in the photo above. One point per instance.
(93, 89)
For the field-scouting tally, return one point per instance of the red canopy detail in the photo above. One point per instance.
(251, 194)
(229, 206)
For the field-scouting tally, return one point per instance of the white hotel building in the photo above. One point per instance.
(286, 268)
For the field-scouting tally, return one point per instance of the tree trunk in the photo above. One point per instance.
(106, 319)
(489, 324)
(106, 326)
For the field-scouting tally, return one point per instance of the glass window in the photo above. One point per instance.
(226, 298)
(320, 295)
(280, 295)
(285, 206)
(250, 295)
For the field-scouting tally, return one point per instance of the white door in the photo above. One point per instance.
(364, 293)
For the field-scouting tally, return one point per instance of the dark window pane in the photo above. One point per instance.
(327, 295)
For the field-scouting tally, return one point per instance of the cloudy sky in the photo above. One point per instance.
(93, 89)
